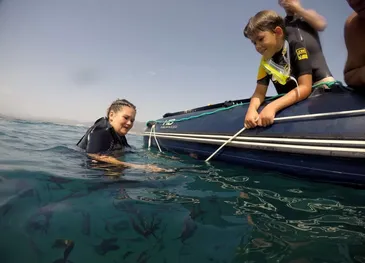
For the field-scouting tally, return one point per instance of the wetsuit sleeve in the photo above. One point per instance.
(99, 142)
(300, 60)
(262, 77)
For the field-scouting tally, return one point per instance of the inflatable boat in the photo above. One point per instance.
(321, 137)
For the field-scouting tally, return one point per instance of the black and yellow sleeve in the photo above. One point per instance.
(262, 77)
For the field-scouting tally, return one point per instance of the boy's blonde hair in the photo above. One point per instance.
(266, 20)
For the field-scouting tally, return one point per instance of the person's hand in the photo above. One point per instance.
(267, 116)
(155, 169)
(291, 5)
(251, 119)
(150, 168)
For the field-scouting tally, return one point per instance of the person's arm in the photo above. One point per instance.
(355, 77)
(314, 19)
(358, 6)
(301, 63)
(257, 99)
(115, 161)
(354, 70)
(304, 89)
(110, 159)
(99, 146)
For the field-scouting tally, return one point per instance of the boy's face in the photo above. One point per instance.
(267, 43)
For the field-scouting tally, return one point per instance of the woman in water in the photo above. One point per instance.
(106, 138)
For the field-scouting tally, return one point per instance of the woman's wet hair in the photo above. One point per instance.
(118, 104)
(266, 20)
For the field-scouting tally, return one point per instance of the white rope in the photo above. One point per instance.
(305, 116)
(149, 139)
(228, 141)
(153, 129)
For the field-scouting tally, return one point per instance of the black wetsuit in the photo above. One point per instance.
(299, 30)
(300, 64)
(101, 138)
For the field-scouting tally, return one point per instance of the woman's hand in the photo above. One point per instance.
(156, 169)
(112, 160)
(150, 168)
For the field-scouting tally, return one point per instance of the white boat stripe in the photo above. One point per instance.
(265, 139)
(332, 151)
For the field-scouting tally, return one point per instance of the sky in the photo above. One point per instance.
(70, 59)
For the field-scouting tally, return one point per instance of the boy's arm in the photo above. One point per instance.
(258, 96)
(252, 116)
(304, 89)
(301, 63)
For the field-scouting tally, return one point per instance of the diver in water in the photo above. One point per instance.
(106, 138)
(303, 25)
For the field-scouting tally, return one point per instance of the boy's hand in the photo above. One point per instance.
(266, 116)
(251, 119)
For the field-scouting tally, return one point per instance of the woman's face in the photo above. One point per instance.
(122, 120)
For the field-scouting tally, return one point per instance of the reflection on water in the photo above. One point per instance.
(293, 228)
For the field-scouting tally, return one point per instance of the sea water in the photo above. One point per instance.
(57, 206)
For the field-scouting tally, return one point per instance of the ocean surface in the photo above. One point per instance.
(55, 206)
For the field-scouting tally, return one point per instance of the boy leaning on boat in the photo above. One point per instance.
(286, 63)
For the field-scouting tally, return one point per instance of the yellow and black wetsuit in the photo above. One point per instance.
(101, 138)
(300, 64)
(299, 30)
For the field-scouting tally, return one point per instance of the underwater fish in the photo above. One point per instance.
(127, 254)
(143, 257)
(196, 212)
(4, 209)
(68, 245)
(27, 193)
(106, 246)
(85, 223)
(61, 260)
(188, 230)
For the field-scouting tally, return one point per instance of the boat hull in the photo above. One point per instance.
(322, 139)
